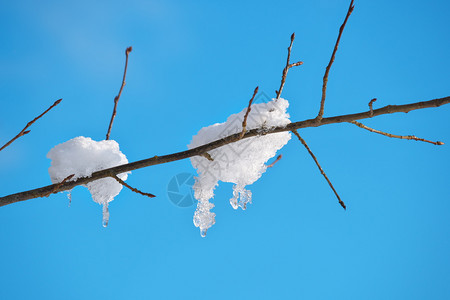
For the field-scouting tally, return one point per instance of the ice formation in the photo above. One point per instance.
(83, 156)
(241, 163)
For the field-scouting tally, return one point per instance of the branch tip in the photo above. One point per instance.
(116, 99)
(402, 137)
(287, 67)
(330, 63)
(131, 188)
(24, 130)
(318, 166)
(275, 161)
(249, 108)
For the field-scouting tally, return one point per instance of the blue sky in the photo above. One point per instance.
(193, 64)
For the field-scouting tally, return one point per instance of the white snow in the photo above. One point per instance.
(241, 163)
(83, 156)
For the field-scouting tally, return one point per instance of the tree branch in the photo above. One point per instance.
(116, 99)
(275, 161)
(156, 160)
(403, 137)
(132, 188)
(25, 131)
(327, 70)
(249, 108)
(287, 67)
(318, 166)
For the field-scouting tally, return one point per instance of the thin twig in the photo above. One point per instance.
(371, 106)
(320, 168)
(25, 131)
(55, 189)
(403, 137)
(132, 188)
(116, 99)
(157, 160)
(287, 67)
(275, 161)
(207, 156)
(327, 70)
(249, 108)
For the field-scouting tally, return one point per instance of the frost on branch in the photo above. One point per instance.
(82, 156)
(241, 163)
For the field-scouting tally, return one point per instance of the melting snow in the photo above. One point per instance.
(241, 163)
(83, 156)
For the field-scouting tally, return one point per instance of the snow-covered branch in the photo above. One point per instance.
(156, 160)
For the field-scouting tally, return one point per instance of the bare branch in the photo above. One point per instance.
(318, 165)
(207, 156)
(403, 137)
(287, 67)
(275, 161)
(327, 70)
(25, 131)
(116, 99)
(371, 106)
(156, 160)
(249, 108)
(55, 189)
(132, 188)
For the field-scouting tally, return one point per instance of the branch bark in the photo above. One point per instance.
(319, 167)
(24, 130)
(402, 137)
(116, 99)
(327, 70)
(156, 160)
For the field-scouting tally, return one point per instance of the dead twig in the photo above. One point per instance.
(403, 137)
(25, 131)
(57, 185)
(327, 70)
(116, 99)
(275, 161)
(249, 108)
(287, 67)
(371, 106)
(132, 188)
(320, 168)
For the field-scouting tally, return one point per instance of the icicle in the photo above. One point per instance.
(241, 197)
(69, 196)
(105, 214)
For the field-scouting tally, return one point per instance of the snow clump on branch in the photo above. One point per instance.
(83, 156)
(242, 162)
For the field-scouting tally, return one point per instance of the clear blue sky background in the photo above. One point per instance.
(193, 64)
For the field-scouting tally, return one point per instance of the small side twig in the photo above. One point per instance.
(249, 108)
(55, 189)
(116, 99)
(403, 137)
(287, 67)
(25, 131)
(207, 156)
(371, 106)
(320, 168)
(327, 70)
(275, 161)
(132, 188)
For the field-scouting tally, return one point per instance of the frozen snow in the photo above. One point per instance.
(241, 163)
(83, 156)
